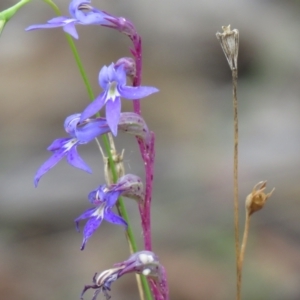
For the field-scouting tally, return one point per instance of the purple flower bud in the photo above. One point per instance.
(130, 186)
(129, 66)
(133, 123)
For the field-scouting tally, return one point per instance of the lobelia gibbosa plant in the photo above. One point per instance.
(86, 126)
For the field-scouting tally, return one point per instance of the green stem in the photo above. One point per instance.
(6, 14)
(107, 148)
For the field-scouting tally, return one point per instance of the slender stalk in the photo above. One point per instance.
(244, 243)
(120, 206)
(229, 40)
(235, 180)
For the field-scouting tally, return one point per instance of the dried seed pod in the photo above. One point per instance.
(229, 40)
(257, 199)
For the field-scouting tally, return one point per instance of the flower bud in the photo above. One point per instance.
(129, 66)
(131, 186)
(133, 123)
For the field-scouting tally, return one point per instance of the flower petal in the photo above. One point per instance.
(90, 227)
(58, 20)
(74, 4)
(87, 214)
(111, 197)
(76, 161)
(71, 123)
(103, 78)
(58, 144)
(52, 23)
(113, 111)
(94, 16)
(120, 75)
(91, 130)
(111, 217)
(71, 30)
(138, 92)
(48, 164)
(94, 107)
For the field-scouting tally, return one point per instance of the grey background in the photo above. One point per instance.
(192, 212)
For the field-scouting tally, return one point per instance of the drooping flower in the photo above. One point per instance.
(104, 198)
(67, 147)
(112, 79)
(81, 13)
(142, 262)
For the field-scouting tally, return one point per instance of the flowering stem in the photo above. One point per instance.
(148, 155)
(120, 205)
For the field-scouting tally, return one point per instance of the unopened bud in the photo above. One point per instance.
(229, 40)
(129, 66)
(257, 199)
(131, 186)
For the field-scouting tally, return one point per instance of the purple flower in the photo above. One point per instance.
(104, 198)
(113, 81)
(79, 134)
(82, 13)
(104, 201)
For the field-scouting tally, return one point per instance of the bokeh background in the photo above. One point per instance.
(192, 118)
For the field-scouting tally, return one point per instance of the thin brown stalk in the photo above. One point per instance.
(244, 244)
(235, 181)
(229, 40)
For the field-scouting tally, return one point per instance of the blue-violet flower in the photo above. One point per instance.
(104, 198)
(82, 13)
(113, 81)
(79, 134)
(104, 201)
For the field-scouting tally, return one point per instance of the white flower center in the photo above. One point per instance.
(113, 91)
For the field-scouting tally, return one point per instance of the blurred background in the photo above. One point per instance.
(192, 117)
